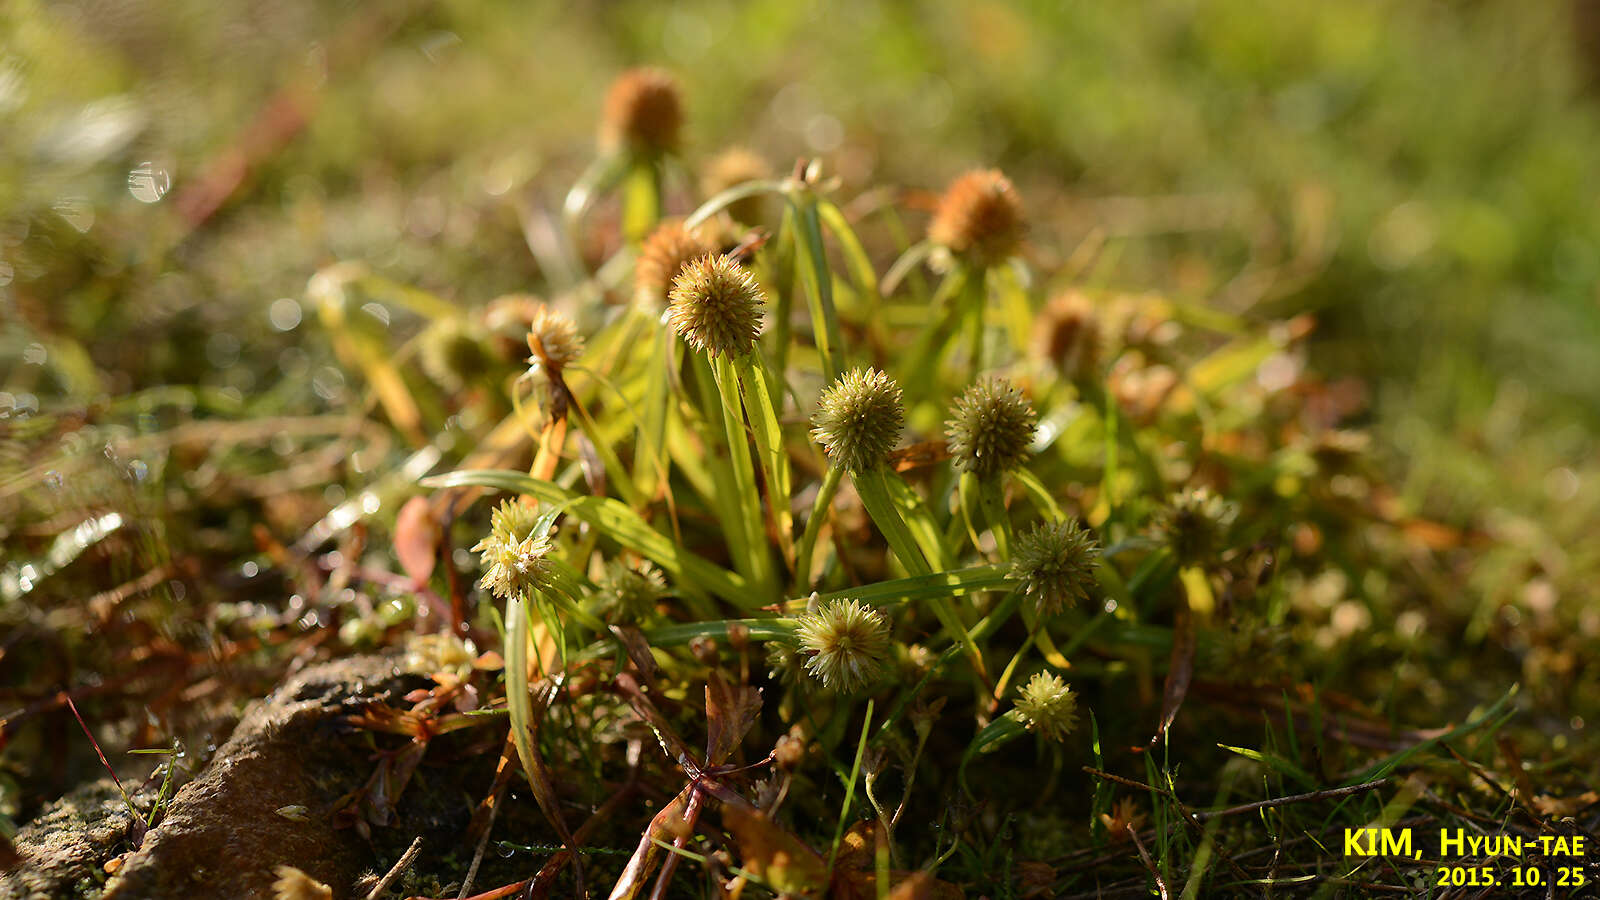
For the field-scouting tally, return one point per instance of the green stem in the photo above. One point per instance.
(986, 626)
(973, 295)
(654, 466)
(808, 540)
(783, 305)
(873, 488)
(729, 197)
(929, 345)
(850, 789)
(518, 700)
(762, 414)
(747, 499)
(813, 262)
(641, 201)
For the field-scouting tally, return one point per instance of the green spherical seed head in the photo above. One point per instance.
(632, 591)
(716, 306)
(1195, 524)
(846, 644)
(1048, 706)
(990, 428)
(1055, 562)
(859, 419)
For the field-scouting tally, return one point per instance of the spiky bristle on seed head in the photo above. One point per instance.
(735, 166)
(553, 338)
(1195, 524)
(632, 591)
(1055, 563)
(514, 552)
(1048, 706)
(1069, 335)
(456, 354)
(990, 428)
(859, 419)
(717, 306)
(845, 644)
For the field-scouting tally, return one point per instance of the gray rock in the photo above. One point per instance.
(63, 851)
(223, 835)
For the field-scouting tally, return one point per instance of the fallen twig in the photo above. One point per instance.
(399, 867)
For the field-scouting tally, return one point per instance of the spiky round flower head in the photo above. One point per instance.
(786, 664)
(990, 428)
(859, 419)
(846, 644)
(662, 256)
(1055, 562)
(735, 166)
(979, 217)
(1069, 335)
(513, 554)
(632, 590)
(643, 112)
(553, 338)
(1048, 706)
(1195, 524)
(716, 305)
(455, 354)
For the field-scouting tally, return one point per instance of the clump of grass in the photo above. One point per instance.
(960, 515)
(1024, 536)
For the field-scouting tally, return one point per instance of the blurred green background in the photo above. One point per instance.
(1419, 176)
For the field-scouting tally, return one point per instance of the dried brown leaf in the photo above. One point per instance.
(730, 712)
(773, 854)
(416, 539)
(645, 857)
(1180, 671)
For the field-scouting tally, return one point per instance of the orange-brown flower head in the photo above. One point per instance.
(979, 217)
(643, 113)
(717, 306)
(1069, 335)
(662, 256)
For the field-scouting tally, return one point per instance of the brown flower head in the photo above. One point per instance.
(979, 217)
(1069, 335)
(643, 113)
(662, 256)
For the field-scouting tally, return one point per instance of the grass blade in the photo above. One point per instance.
(617, 521)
